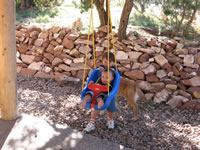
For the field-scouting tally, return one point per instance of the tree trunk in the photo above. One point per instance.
(8, 94)
(142, 6)
(26, 4)
(124, 19)
(192, 18)
(185, 31)
(107, 8)
(163, 2)
(136, 8)
(101, 11)
(22, 4)
(178, 26)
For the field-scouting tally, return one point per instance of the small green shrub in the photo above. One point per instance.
(144, 21)
(42, 19)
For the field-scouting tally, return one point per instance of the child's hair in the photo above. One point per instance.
(111, 56)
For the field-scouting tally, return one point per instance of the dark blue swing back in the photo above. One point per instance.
(93, 77)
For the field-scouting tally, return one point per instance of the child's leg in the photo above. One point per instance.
(91, 125)
(100, 102)
(100, 99)
(87, 98)
(110, 115)
(93, 116)
(111, 110)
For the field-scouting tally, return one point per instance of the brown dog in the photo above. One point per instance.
(131, 92)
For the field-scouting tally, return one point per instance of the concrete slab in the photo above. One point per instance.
(5, 129)
(31, 133)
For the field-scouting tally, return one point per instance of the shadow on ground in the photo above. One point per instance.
(159, 126)
(5, 129)
(36, 134)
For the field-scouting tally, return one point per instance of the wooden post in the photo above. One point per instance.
(8, 94)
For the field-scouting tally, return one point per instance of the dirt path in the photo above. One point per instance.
(158, 127)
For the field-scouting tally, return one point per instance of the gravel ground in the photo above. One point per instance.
(159, 127)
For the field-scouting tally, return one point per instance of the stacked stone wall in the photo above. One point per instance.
(165, 69)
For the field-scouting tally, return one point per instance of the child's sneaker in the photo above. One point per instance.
(89, 127)
(111, 124)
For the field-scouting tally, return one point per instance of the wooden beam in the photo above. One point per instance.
(8, 94)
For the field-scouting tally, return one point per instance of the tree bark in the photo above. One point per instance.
(124, 19)
(26, 4)
(107, 7)
(101, 11)
(142, 6)
(8, 94)
(22, 4)
(192, 17)
(136, 8)
(178, 26)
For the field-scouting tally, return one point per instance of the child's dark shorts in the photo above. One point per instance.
(112, 106)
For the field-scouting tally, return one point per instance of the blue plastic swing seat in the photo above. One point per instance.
(93, 77)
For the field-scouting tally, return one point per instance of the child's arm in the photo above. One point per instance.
(101, 68)
(91, 81)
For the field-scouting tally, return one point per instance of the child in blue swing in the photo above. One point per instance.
(102, 80)
(112, 107)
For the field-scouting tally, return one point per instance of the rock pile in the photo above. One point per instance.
(163, 68)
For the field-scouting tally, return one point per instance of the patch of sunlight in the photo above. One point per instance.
(65, 14)
(73, 139)
(33, 94)
(154, 10)
(31, 132)
(72, 100)
(184, 130)
(196, 23)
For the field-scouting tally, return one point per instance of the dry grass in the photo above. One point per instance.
(66, 14)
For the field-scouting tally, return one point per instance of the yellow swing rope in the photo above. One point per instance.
(91, 21)
(93, 36)
(108, 41)
(113, 42)
(109, 23)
